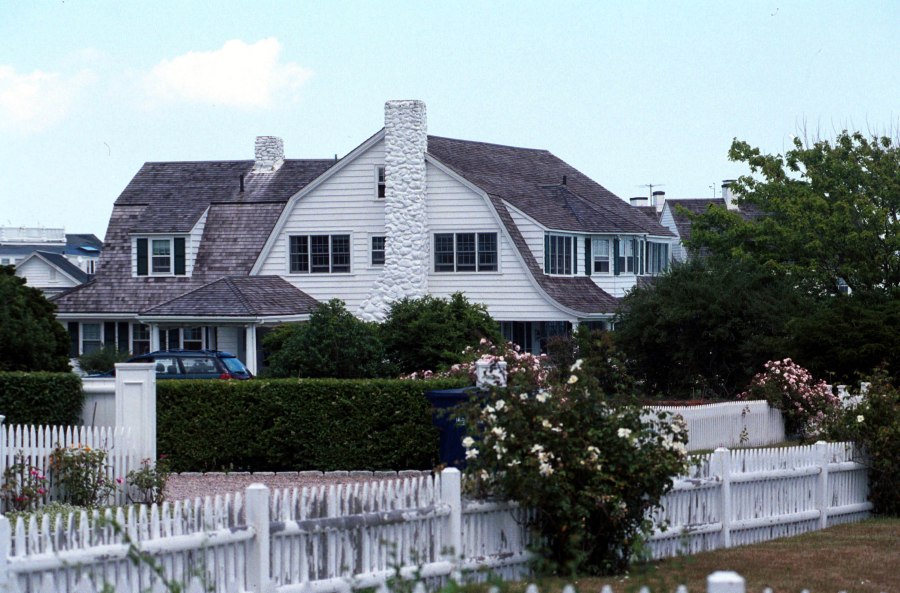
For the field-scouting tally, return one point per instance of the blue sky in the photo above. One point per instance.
(631, 93)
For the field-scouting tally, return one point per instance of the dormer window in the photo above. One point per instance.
(160, 256)
(380, 185)
(559, 255)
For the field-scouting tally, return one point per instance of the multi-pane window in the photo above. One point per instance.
(140, 338)
(377, 251)
(600, 253)
(91, 339)
(465, 252)
(628, 256)
(381, 186)
(560, 253)
(319, 254)
(192, 338)
(657, 257)
(161, 256)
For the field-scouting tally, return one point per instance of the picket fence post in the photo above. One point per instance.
(451, 494)
(822, 483)
(5, 548)
(136, 406)
(721, 465)
(257, 513)
(725, 581)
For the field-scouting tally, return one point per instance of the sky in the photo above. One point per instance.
(630, 93)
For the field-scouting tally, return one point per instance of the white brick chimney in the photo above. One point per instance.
(407, 247)
(269, 152)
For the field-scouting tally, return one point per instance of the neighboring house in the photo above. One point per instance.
(52, 273)
(66, 259)
(213, 254)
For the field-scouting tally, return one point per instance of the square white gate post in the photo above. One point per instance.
(822, 483)
(136, 406)
(258, 569)
(451, 494)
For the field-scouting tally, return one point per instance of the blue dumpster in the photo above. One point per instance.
(452, 427)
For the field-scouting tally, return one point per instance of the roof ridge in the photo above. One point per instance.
(544, 150)
(239, 294)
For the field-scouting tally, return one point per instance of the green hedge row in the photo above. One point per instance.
(286, 424)
(54, 399)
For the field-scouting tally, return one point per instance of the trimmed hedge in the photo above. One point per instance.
(53, 399)
(286, 424)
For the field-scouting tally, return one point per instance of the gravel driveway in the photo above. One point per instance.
(192, 485)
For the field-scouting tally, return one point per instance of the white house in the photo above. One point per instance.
(213, 254)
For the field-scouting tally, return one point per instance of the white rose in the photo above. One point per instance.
(572, 380)
(624, 433)
(860, 419)
(471, 453)
(468, 442)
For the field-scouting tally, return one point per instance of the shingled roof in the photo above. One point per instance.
(170, 198)
(245, 296)
(542, 186)
(699, 206)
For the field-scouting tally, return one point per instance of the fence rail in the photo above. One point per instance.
(732, 498)
(729, 424)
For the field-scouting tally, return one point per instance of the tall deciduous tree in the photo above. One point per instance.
(829, 213)
(31, 339)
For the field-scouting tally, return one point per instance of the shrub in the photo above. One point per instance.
(24, 486)
(807, 405)
(41, 398)
(590, 470)
(286, 424)
(875, 425)
(147, 485)
(31, 339)
(102, 360)
(333, 343)
(80, 472)
(431, 333)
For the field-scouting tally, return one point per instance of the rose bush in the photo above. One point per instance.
(591, 470)
(807, 405)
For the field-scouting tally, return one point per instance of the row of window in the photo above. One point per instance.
(135, 337)
(604, 255)
(453, 252)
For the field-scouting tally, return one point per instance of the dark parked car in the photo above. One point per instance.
(195, 364)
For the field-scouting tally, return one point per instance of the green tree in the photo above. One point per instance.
(704, 328)
(333, 343)
(829, 213)
(431, 332)
(31, 339)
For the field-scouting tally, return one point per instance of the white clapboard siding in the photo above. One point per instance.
(729, 424)
(34, 445)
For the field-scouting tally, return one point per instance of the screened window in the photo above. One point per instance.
(560, 253)
(377, 251)
(465, 252)
(319, 254)
(600, 251)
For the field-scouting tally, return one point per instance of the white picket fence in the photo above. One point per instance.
(733, 498)
(728, 424)
(33, 446)
(313, 539)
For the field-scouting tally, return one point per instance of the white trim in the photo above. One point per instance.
(93, 316)
(378, 169)
(52, 265)
(369, 237)
(330, 235)
(221, 321)
(311, 186)
(447, 231)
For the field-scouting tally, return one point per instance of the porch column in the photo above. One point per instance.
(154, 337)
(250, 348)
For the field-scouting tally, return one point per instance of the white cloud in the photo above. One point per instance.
(237, 75)
(38, 100)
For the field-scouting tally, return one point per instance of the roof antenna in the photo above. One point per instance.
(242, 183)
(564, 179)
(651, 186)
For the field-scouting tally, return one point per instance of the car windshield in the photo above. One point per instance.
(234, 365)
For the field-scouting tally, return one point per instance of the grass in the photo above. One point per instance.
(859, 557)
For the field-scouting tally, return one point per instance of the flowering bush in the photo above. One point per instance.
(24, 486)
(591, 470)
(874, 424)
(807, 405)
(81, 474)
(147, 485)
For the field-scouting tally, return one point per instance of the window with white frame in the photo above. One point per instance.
(140, 338)
(91, 337)
(319, 254)
(628, 256)
(192, 338)
(600, 256)
(465, 252)
(657, 257)
(160, 256)
(559, 256)
(377, 251)
(380, 183)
